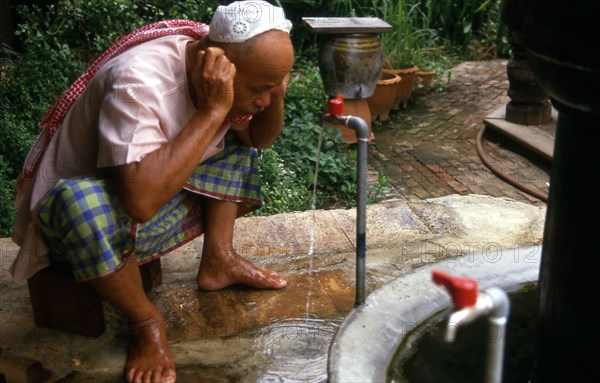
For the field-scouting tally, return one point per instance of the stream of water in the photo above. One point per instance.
(313, 227)
(296, 349)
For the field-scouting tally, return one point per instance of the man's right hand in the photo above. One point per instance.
(212, 78)
(140, 190)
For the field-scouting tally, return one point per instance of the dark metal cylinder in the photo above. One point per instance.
(555, 34)
(350, 64)
(567, 330)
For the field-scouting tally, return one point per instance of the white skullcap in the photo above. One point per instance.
(242, 20)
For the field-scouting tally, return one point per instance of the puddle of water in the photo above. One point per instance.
(295, 350)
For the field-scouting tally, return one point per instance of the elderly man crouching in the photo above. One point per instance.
(151, 147)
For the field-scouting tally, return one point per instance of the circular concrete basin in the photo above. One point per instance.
(368, 338)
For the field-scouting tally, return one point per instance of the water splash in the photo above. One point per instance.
(311, 248)
(296, 350)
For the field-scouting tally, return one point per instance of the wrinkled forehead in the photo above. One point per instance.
(272, 42)
(271, 55)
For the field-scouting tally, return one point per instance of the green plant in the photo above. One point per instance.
(411, 33)
(376, 191)
(460, 21)
(7, 207)
(344, 8)
(283, 191)
(491, 39)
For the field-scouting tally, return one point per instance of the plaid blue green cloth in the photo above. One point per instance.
(84, 223)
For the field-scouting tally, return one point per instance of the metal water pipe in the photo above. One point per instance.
(350, 63)
(360, 126)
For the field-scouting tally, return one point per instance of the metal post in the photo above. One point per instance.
(361, 128)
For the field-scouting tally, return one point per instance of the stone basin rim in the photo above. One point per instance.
(391, 311)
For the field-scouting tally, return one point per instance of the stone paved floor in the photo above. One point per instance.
(429, 149)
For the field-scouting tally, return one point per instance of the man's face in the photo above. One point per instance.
(261, 73)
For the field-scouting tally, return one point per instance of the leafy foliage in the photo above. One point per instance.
(7, 209)
(458, 21)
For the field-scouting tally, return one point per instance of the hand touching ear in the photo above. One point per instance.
(212, 78)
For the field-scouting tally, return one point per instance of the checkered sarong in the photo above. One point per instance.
(84, 223)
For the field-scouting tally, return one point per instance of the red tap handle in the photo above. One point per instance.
(463, 290)
(336, 105)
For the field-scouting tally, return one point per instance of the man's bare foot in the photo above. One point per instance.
(227, 268)
(149, 358)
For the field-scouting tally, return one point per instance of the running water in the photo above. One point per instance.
(311, 248)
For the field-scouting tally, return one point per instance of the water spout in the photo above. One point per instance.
(470, 304)
(360, 126)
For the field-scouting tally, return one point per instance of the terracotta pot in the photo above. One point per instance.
(406, 87)
(424, 81)
(380, 103)
(359, 108)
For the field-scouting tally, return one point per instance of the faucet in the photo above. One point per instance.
(360, 126)
(469, 304)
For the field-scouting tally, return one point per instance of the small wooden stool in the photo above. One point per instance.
(60, 303)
